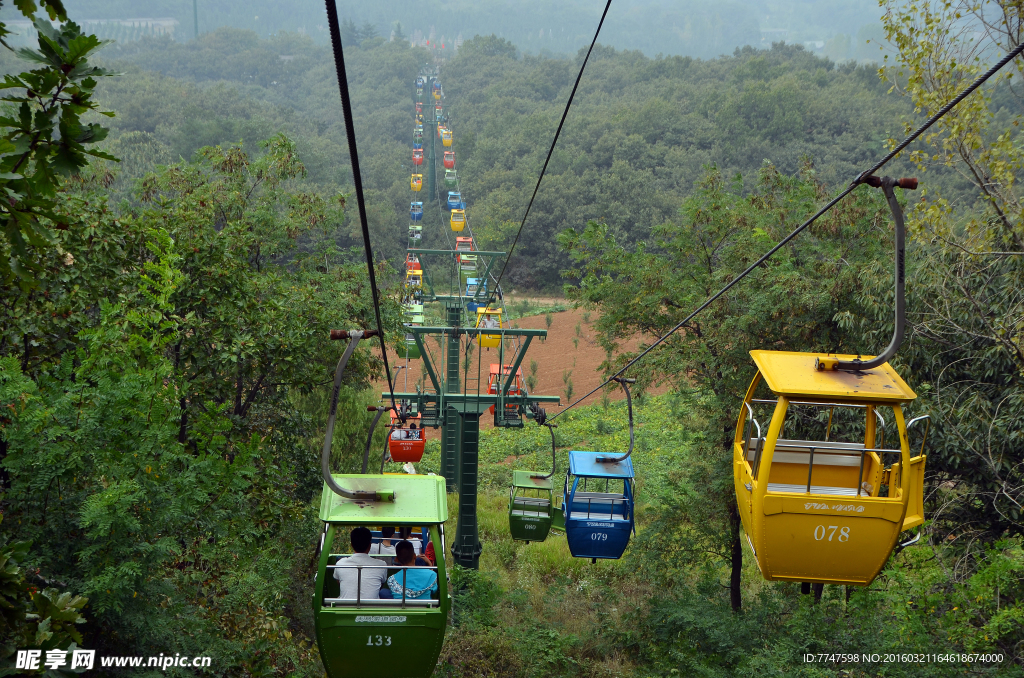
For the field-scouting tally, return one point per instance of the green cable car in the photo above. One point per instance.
(362, 637)
(531, 500)
(451, 180)
(408, 348)
(531, 506)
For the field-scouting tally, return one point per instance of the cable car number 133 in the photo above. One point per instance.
(378, 640)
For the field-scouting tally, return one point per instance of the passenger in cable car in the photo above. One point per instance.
(347, 570)
(417, 583)
(384, 547)
(489, 323)
(405, 532)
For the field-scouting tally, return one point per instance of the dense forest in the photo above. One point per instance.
(697, 28)
(170, 271)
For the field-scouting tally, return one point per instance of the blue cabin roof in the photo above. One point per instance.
(585, 464)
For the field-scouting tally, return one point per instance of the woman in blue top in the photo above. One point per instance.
(419, 583)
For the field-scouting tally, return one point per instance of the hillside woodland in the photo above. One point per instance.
(178, 236)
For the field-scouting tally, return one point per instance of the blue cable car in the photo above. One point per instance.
(455, 201)
(416, 211)
(417, 147)
(598, 499)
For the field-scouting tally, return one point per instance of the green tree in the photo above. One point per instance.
(44, 137)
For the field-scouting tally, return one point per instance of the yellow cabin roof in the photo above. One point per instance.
(793, 374)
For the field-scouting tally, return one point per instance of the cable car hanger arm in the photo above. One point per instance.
(325, 459)
(629, 406)
(886, 184)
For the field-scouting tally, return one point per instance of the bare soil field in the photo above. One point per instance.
(560, 361)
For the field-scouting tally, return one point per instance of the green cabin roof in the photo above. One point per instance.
(532, 480)
(419, 500)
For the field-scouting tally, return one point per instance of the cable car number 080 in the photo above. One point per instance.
(821, 530)
(380, 640)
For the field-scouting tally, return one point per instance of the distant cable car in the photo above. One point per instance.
(416, 146)
(446, 137)
(463, 244)
(473, 286)
(414, 313)
(598, 499)
(451, 179)
(412, 262)
(419, 117)
(436, 86)
(419, 107)
(496, 380)
(467, 267)
(416, 211)
(415, 232)
(417, 156)
(488, 318)
(437, 94)
(458, 220)
(455, 201)
(408, 348)
(414, 277)
(812, 502)
(449, 159)
(416, 182)
(359, 635)
(406, 443)
(438, 112)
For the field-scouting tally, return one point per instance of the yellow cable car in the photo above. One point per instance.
(829, 509)
(437, 94)
(446, 137)
(414, 277)
(458, 220)
(416, 183)
(821, 497)
(488, 318)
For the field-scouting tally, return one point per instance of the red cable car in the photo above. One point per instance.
(417, 157)
(406, 443)
(495, 381)
(449, 159)
(419, 107)
(412, 262)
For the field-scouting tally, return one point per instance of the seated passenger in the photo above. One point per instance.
(384, 547)
(399, 434)
(418, 583)
(372, 578)
(414, 433)
(489, 323)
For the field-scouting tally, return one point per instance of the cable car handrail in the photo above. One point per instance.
(810, 462)
(325, 460)
(927, 428)
(359, 602)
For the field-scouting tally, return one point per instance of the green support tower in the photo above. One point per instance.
(455, 405)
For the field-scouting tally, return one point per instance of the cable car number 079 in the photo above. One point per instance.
(599, 536)
(821, 530)
(381, 640)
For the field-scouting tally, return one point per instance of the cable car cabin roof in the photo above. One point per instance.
(531, 480)
(790, 373)
(419, 500)
(587, 464)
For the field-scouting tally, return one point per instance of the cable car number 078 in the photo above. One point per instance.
(820, 531)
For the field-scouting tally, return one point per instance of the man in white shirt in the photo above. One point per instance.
(372, 578)
(384, 547)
